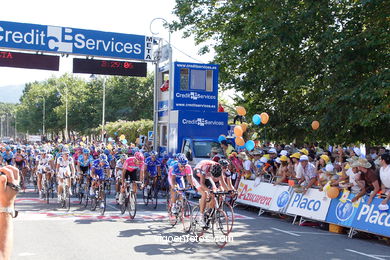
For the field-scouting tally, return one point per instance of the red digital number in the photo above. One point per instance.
(128, 65)
(5, 55)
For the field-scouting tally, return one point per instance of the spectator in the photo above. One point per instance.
(9, 186)
(247, 166)
(385, 179)
(294, 165)
(368, 178)
(227, 148)
(309, 176)
(373, 154)
(283, 173)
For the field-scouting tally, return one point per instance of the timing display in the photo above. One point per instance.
(109, 67)
(29, 61)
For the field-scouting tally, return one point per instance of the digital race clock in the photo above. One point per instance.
(109, 67)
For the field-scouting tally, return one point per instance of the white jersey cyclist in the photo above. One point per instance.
(43, 162)
(65, 166)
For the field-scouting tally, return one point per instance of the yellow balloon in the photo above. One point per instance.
(84, 138)
(82, 144)
(109, 146)
(122, 137)
(59, 140)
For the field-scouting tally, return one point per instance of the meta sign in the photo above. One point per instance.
(56, 39)
(29, 61)
(195, 87)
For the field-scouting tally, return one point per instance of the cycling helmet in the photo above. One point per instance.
(123, 156)
(166, 157)
(102, 157)
(42, 150)
(174, 156)
(153, 153)
(224, 162)
(182, 159)
(106, 152)
(139, 156)
(216, 170)
(146, 154)
(7, 148)
(86, 151)
(65, 150)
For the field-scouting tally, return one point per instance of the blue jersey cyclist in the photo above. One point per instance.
(153, 168)
(100, 167)
(8, 155)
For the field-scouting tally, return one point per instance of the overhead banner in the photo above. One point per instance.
(47, 38)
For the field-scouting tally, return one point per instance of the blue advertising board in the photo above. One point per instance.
(362, 217)
(46, 38)
(195, 87)
(369, 218)
(342, 212)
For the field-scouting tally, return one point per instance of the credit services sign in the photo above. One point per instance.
(56, 39)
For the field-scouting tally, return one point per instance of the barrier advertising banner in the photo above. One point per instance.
(314, 204)
(283, 196)
(257, 194)
(342, 211)
(369, 218)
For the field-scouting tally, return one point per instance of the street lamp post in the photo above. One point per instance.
(16, 135)
(1, 120)
(155, 114)
(104, 107)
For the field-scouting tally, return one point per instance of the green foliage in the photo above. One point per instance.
(126, 99)
(301, 61)
(131, 129)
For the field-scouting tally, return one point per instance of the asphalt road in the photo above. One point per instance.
(45, 232)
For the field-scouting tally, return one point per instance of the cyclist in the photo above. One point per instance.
(84, 162)
(65, 169)
(153, 168)
(132, 166)
(45, 164)
(8, 155)
(226, 174)
(176, 177)
(19, 160)
(208, 173)
(118, 174)
(99, 172)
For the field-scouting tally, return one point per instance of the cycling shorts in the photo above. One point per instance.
(132, 175)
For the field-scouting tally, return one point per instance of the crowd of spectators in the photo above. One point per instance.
(346, 168)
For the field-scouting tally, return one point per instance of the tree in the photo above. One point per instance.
(301, 61)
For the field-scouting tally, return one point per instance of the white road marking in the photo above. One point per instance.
(360, 253)
(26, 254)
(287, 232)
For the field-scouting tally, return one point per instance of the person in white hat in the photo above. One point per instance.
(309, 176)
(370, 179)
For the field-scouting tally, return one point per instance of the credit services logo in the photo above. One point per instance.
(195, 96)
(344, 210)
(202, 122)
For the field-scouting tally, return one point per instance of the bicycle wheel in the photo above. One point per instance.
(186, 216)
(124, 201)
(132, 205)
(230, 214)
(146, 195)
(47, 192)
(93, 202)
(154, 192)
(220, 227)
(67, 199)
(196, 229)
(102, 202)
(172, 218)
